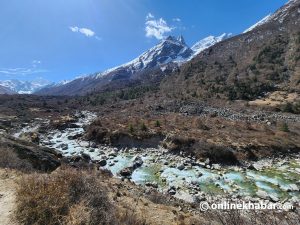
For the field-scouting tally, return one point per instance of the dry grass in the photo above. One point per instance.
(68, 197)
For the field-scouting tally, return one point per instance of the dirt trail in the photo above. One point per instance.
(7, 197)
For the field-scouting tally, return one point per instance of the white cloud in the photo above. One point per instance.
(74, 29)
(85, 31)
(21, 71)
(176, 19)
(149, 16)
(35, 63)
(156, 27)
(33, 69)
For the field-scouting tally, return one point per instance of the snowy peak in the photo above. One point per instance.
(208, 42)
(181, 40)
(279, 16)
(168, 53)
(259, 23)
(171, 49)
(24, 87)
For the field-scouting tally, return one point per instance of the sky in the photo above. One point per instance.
(61, 39)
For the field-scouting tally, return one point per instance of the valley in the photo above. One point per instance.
(150, 140)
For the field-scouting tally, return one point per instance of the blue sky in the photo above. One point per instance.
(62, 39)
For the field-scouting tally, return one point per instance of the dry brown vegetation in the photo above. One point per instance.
(200, 136)
(67, 196)
(81, 197)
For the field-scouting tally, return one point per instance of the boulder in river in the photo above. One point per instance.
(181, 167)
(137, 162)
(74, 137)
(126, 172)
(262, 194)
(64, 146)
(86, 156)
(172, 191)
(102, 162)
(292, 187)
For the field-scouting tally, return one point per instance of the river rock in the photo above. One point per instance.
(207, 161)
(93, 145)
(274, 198)
(112, 155)
(262, 194)
(74, 137)
(172, 191)
(101, 153)
(102, 162)
(152, 184)
(86, 156)
(181, 167)
(216, 166)
(64, 146)
(126, 172)
(292, 187)
(137, 162)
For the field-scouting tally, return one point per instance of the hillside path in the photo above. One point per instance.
(7, 197)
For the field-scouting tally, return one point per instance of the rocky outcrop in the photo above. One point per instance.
(41, 158)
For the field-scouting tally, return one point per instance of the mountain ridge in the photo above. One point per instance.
(246, 66)
(24, 87)
(172, 51)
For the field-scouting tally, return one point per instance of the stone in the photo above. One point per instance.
(93, 145)
(112, 155)
(101, 153)
(292, 187)
(274, 198)
(152, 184)
(216, 166)
(262, 194)
(64, 146)
(102, 162)
(207, 161)
(165, 163)
(86, 156)
(172, 191)
(74, 137)
(181, 167)
(137, 162)
(126, 172)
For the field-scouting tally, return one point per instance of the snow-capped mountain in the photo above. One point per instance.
(5, 90)
(269, 51)
(261, 22)
(279, 16)
(170, 52)
(171, 49)
(208, 42)
(24, 87)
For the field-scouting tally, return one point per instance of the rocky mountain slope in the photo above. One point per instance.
(264, 59)
(149, 67)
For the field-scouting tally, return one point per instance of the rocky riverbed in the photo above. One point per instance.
(276, 180)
